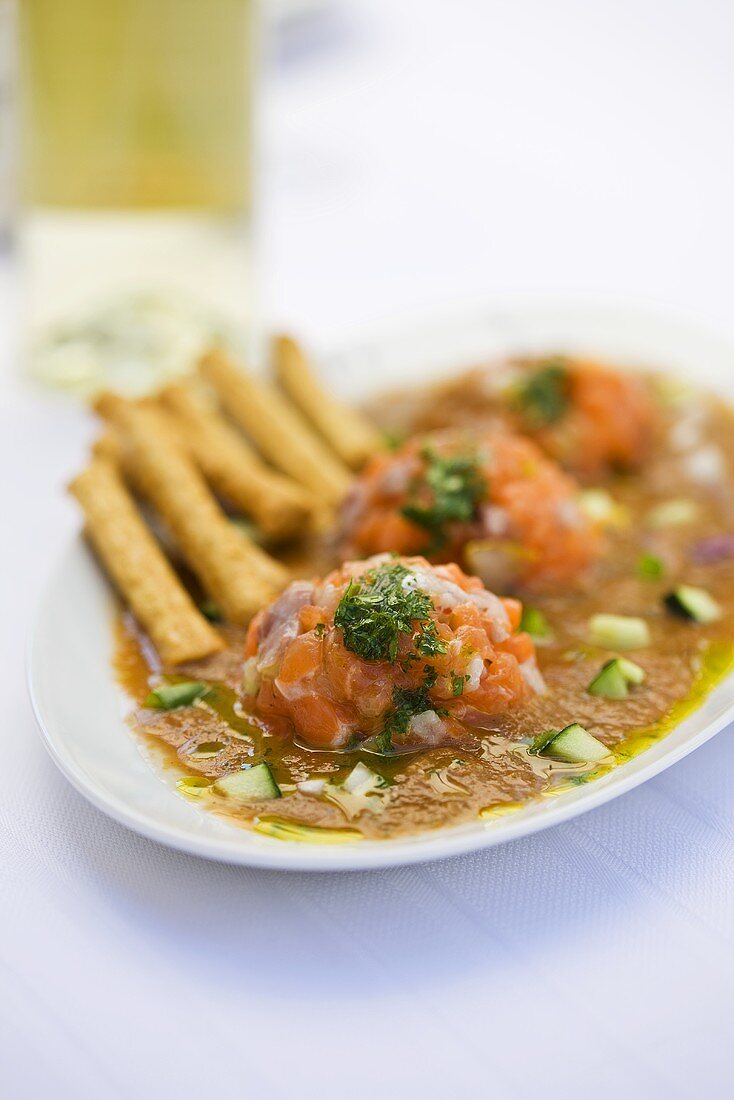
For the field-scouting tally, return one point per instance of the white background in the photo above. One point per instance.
(419, 156)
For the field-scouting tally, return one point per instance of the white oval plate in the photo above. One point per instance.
(81, 710)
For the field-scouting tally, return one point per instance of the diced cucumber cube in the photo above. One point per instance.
(614, 678)
(609, 683)
(632, 673)
(693, 603)
(249, 785)
(534, 623)
(619, 631)
(575, 745)
(541, 741)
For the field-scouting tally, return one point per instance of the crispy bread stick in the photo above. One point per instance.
(220, 555)
(139, 568)
(108, 446)
(276, 428)
(349, 433)
(280, 507)
(113, 406)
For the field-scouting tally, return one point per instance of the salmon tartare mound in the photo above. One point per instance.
(389, 653)
(589, 417)
(490, 500)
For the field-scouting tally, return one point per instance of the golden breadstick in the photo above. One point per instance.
(108, 446)
(279, 506)
(114, 407)
(350, 434)
(277, 429)
(225, 560)
(139, 568)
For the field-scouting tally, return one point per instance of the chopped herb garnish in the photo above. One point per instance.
(457, 683)
(650, 567)
(430, 677)
(449, 490)
(170, 696)
(407, 702)
(320, 629)
(543, 397)
(376, 609)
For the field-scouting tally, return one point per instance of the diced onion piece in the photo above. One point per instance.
(706, 465)
(311, 786)
(362, 779)
(250, 676)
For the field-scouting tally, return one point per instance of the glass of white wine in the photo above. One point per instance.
(136, 185)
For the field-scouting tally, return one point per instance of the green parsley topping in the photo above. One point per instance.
(543, 397)
(406, 704)
(457, 683)
(449, 490)
(376, 609)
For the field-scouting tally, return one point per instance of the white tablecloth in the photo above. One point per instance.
(418, 155)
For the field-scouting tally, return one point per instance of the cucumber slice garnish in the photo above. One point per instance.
(249, 785)
(619, 631)
(693, 603)
(614, 678)
(541, 742)
(572, 745)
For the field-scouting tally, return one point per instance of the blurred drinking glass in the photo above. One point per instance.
(136, 173)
